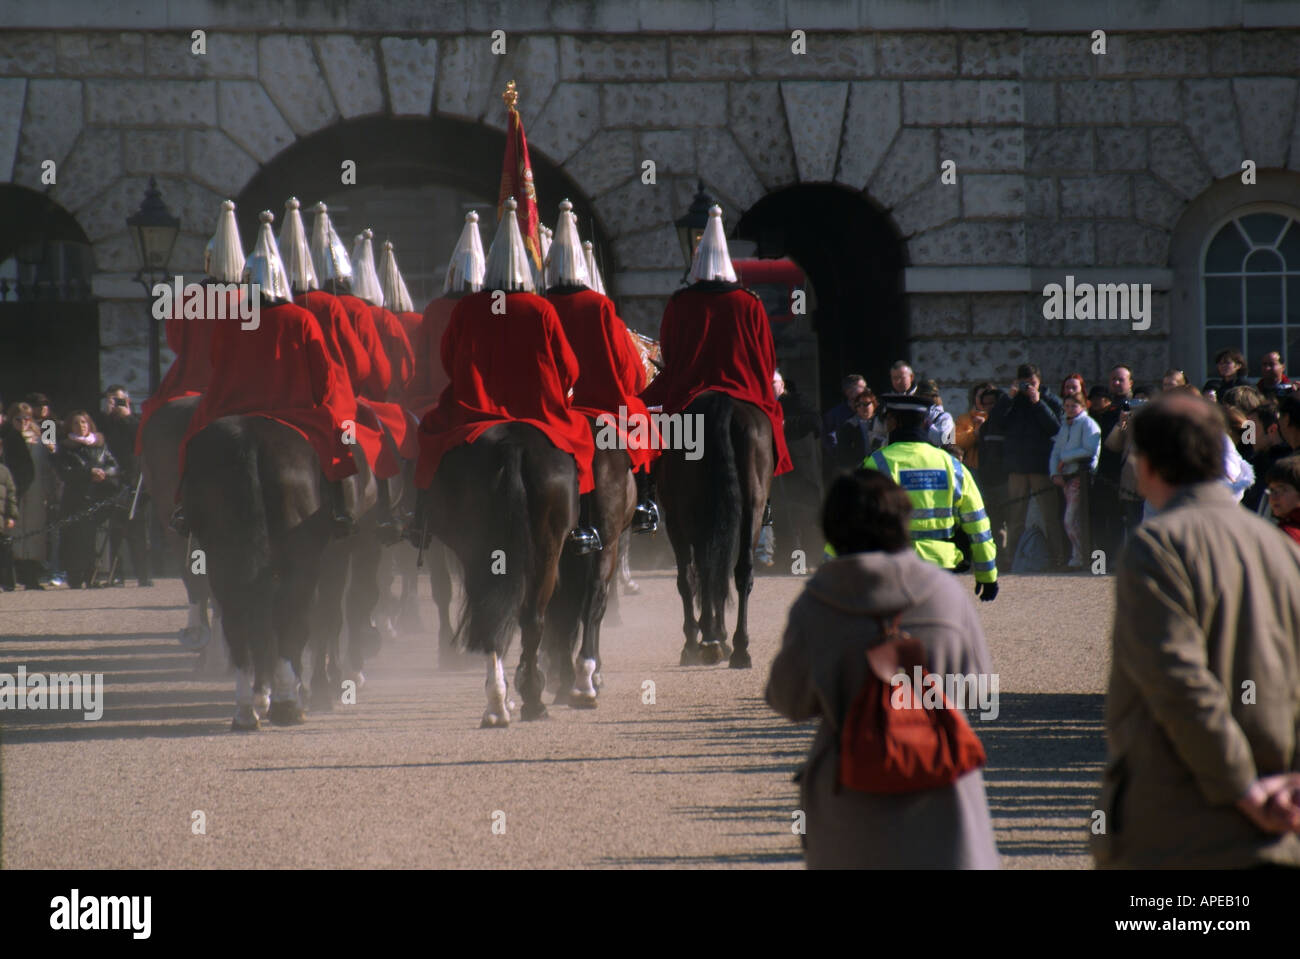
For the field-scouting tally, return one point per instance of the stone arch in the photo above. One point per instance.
(1274, 189)
(853, 256)
(400, 163)
(49, 321)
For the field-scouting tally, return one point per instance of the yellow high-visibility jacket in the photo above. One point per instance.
(942, 495)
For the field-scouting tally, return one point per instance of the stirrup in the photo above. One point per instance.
(342, 525)
(389, 533)
(178, 523)
(646, 517)
(586, 539)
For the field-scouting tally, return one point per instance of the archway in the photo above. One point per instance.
(415, 179)
(853, 258)
(49, 322)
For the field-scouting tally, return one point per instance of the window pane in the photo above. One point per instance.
(1290, 247)
(1216, 340)
(1263, 261)
(1263, 228)
(1222, 301)
(1292, 354)
(1293, 301)
(1226, 251)
(1258, 342)
(1263, 300)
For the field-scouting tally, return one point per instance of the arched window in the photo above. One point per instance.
(1251, 272)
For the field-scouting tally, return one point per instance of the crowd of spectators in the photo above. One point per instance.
(65, 486)
(1069, 450)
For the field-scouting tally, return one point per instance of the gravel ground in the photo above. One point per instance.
(404, 778)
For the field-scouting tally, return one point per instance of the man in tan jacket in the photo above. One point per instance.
(1203, 712)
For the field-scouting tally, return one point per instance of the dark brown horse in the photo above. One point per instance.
(504, 505)
(713, 508)
(161, 443)
(585, 581)
(252, 493)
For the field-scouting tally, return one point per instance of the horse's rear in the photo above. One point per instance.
(160, 451)
(252, 494)
(713, 509)
(583, 592)
(504, 505)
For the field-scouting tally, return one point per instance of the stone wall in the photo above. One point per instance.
(1066, 162)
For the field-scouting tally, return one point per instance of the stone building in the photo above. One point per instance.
(827, 146)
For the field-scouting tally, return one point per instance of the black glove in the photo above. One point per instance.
(987, 592)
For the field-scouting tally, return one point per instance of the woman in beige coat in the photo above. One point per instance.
(822, 665)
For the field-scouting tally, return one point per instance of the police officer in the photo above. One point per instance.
(942, 493)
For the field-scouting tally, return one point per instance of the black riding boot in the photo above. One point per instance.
(646, 518)
(586, 537)
(341, 520)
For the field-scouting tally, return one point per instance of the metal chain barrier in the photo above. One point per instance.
(120, 500)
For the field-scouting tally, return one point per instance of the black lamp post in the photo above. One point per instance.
(153, 230)
(690, 228)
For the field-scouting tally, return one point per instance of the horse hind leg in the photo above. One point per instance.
(497, 714)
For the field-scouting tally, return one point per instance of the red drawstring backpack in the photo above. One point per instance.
(900, 747)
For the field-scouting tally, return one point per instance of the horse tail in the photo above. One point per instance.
(223, 494)
(503, 553)
(722, 497)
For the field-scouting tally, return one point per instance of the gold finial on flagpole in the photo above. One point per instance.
(511, 96)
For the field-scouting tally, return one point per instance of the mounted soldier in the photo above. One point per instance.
(611, 370)
(280, 368)
(398, 299)
(508, 360)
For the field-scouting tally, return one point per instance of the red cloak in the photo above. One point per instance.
(611, 374)
(349, 359)
(191, 371)
(719, 340)
(282, 371)
(374, 384)
(372, 389)
(401, 358)
(513, 367)
(430, 376)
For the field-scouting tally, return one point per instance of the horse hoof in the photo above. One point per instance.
(726, 649)
(286, 712)
(493, 720)
(690, 656)
(740, 659)
(710, 653)
(245, 721)
(262, 705)
(533, 711)
(561, 698)
(358, 678)
(581, 700)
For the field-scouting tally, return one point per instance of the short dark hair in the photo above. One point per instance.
(1098, 391)
(866, 511)
(851, 379)
(978, 390)
(1230, 353)
(1286, 471)
(1181, 437)
(1141, 391)
(900, 364)
(115, 388)
(1266, 413)
(1025, 370)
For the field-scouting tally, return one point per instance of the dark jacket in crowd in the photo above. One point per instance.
(850, 447)
(17, 457)
(74, 463)
(1221, 385)
(119, 433)
(1260, 463)
(831, 423)
(1028, 428)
